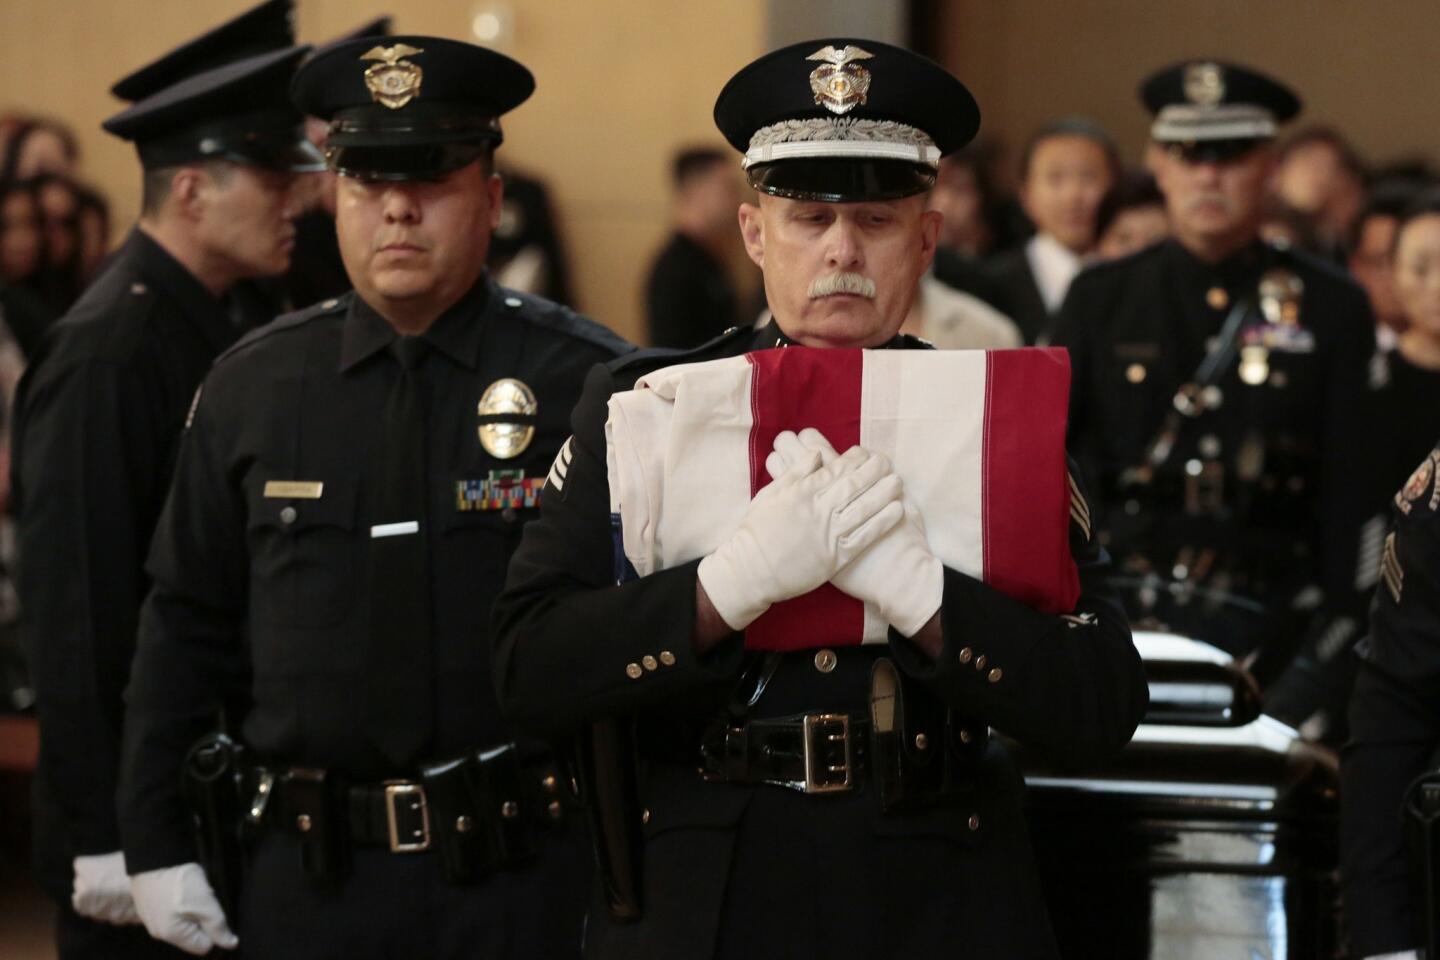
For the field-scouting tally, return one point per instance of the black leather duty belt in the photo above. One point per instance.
(808, 752)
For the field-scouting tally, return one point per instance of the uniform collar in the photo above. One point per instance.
(1237, 270)
(770, 336)
(179, 285)
(456, 333)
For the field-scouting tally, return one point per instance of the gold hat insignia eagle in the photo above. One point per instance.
(393, 81)
(839, 83)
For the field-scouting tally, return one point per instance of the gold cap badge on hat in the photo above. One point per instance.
(1204, 84)
(507, 418)
(840, 84)
(393, 81)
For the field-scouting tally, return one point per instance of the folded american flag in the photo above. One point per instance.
(977, 437)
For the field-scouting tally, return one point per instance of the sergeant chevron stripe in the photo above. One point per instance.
(561, 466)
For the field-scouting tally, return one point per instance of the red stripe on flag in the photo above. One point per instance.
(1027, 511)
(793, 388)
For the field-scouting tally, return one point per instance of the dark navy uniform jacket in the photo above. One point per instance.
(263, 600)
(736, 870)
(1394, 723)
(98, 421)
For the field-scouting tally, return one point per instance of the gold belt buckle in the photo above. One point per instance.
(822, 776)
(399, 792)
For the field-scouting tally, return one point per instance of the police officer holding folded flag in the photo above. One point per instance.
(352, 482)
(1219, 401)
(813, 802)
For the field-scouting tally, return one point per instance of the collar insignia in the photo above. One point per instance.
(839, 83)
(393, 81)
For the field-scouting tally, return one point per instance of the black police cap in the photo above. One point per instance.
(845, 119)
(1200, 101)
(240, 111)
(261, 29)
(409, 107)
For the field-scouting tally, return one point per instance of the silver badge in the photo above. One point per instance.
(1205, 84)
(1280, 293)
(507, 418)
(839, 83)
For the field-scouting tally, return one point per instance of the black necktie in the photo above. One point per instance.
(399, 666)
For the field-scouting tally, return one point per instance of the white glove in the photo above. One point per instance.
(799, 530)
(177, 905)
(899, 575)
(1402, 955)
(102, 890)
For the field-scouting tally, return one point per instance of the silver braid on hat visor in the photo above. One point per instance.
(841, 137)
(1228, 121)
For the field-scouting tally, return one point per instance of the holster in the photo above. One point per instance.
(608, 771)
(316, 804)
(1422, 842)
(485, 813)
(923, 753)
(211, 784)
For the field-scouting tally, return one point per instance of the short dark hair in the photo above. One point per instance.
(1073, 126)
(695, 160)
(1425, 203)
(1330, 137)
(156, 182)
(1134, 189)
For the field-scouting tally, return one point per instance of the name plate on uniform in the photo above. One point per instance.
(293, 489)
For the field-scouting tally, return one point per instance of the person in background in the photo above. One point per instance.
(1067, 168)
(527, 252)
(1371, 245)
(964, 195)
(689, 296)
(59, 201)
(1321, 177)
(22, 266)
(94, 226)
(39, 146)
(1132, 217)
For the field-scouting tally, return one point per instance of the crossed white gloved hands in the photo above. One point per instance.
(177, 905)
(898, 575)
(822, 512)
(102, 890)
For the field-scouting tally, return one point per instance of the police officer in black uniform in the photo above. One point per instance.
(1218, 399)
(98, 423)
(350, 487)
(743, 857)
(1394, 726)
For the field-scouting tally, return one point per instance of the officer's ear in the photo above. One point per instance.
(752, 231)
(188, 186)
(495, 189)
(930, 223)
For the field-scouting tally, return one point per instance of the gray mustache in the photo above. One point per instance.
(852, 283)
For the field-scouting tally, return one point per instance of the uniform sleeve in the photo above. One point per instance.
(93, 468)
(1394, 731)
(189, 660)
(1071, 686)
(571, 644)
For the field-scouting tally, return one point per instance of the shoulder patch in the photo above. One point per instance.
(1391, 571)
(288, 321)
(1421, 482)
(1079, 508)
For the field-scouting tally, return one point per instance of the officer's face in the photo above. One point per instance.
(1417, 273)
(1370, 266)
(1066, 180)
(414, 247)
(840, 274)
(1214, 204)
(247, 219)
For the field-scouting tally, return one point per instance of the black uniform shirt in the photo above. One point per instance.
(98, 420)
(688, 296)
(268, 596)
(1291, 491)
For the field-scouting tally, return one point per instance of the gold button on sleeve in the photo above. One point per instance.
(966, 654)
(667, 658)
(995, 675)
(650, 662)
(633, 671)
(980, 662)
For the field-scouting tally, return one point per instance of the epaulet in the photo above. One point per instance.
(286, 322)
(562, 319)
(669, 355)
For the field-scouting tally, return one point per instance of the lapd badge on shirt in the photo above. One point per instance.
(1419, 484)
(839, 83)
(507, 418)
(393, 81)
(501, 490)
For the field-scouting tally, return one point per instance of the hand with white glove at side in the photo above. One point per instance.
(177, 906)
(102, 890)
(899, 575)
(808, 523)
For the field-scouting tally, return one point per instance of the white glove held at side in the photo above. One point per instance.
(177, 905)
(799, 530)
(102, 890)
(899, 575)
